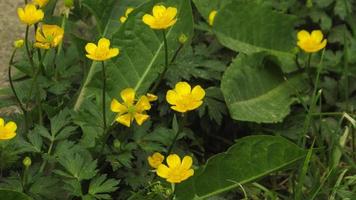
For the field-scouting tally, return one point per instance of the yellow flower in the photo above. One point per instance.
(183, 98)
(151, 97)
(48, 36)
(19, 43)
(30, 14)
(161, 17)
(102, 51)
(212, 15)
(127, 12)
(130, 110)
(8, 130)
(155, 160)
(177, 170)
(40, 3)
(311, 42)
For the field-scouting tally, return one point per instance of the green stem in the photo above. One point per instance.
(29, 55)
(104, 96)
(14, 91)
(180, 129)
(48, 153)
(308, 119)
(154, 88)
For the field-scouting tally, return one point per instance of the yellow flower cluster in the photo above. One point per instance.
(102, 51)
(175, 171)
(127, 12)
(161, 18)
(8, 130)
(30, 15)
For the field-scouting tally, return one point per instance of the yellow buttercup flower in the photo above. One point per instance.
(177, 170)
(30, 14)
(127, 12)
(102, 51)
(129, 110)
(311, 42)
(183, 98)
(8, 130)
(155, 160)
(161, 17)
(211, 17)
(19, 43)
(40, 3)
(48, 36)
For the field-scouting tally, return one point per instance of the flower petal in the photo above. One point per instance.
(90, 48)
(116, 106)
(173, 161)
(323, 44)
(2, 122)
(186, 162)
(125, 119)
(171, 13)
(172, 97)
(148, 19)
(317, 36)
(140, 118)
(198, 93)
(182, 88)
(194, 105)
(179, 108)
(128, 11)
(104, 43)
(128, 96)
(113, 52)
(11, 126)
(158, 11)
(7, 135)
(163, 171)
(187, 174)
(143, 104)
(303, 35)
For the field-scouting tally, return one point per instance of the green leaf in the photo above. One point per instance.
(141, 51)
(256, 90)
(256, 28)
(13, 195)
(101, 185)
(249, 159)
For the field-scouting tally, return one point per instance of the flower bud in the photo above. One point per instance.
(182, 38)
(19, 43)
(117, 144)
(69, 3)
(27, 162)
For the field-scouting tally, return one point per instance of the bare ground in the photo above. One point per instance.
(10, 30)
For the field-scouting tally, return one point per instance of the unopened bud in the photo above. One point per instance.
(182, 38)
(27, 162)
(69, 3)
(117, 144)
(19, 43)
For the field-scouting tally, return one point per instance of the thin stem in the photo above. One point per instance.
(180, 129)
(308, 119)
(14, 91)
(29, 55)
(48, 153)
(154, 88)
(104, 96)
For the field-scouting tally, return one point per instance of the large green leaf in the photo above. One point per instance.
(256, 90)
(249, 27)
(13, 195)
(249, 159)
(141, 50)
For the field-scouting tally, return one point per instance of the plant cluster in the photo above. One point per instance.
(180, 99)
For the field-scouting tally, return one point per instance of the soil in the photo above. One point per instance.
(10, 30)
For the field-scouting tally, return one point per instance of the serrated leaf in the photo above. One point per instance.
(249, 159)
(13, 195)
(256, 90)
(101, 185)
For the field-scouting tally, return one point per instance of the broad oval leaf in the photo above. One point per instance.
(257, 28)
(249, 159)
(256, 90)
(13, 195)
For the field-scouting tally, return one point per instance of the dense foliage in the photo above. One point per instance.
(180, 99)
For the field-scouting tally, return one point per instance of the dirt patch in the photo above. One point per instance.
(10, 30)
